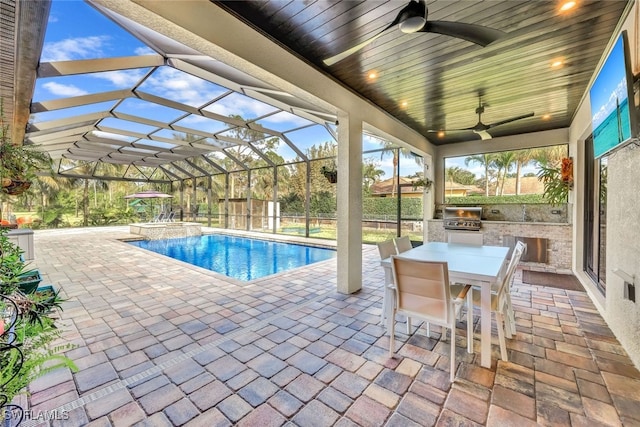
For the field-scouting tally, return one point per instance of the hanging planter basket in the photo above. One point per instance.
(332, 177)
(330, 173)
(16, 187)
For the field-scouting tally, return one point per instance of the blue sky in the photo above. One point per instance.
(610, 85)
(78, 31)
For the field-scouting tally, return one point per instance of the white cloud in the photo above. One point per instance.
(144, 50)
(120, 79)
(285, 117)
(620, 92)
(63, 90)
(74, 48)
(241, 105)
(182, 87)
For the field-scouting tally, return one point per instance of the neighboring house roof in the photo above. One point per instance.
(528, 185)
(383, 188)
(458, 188)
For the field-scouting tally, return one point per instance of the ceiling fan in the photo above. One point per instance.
(481, 128)
(413, 19)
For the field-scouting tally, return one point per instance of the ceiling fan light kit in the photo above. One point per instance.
(412, 25)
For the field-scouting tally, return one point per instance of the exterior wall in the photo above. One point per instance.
(559, 249)
(623, 220)
(623, 248)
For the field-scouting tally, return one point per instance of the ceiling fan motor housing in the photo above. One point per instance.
(413, 17)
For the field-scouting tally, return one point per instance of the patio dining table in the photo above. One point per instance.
(480, 266)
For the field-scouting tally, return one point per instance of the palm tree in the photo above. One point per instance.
(390, 147)
(371, 173)
(522, 157)
(484, 160)
(85, 169)
(549, 156)
(504, 162)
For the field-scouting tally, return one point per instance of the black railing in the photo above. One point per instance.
(11, 358)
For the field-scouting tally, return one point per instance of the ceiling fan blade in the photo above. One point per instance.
(484, 135)
(473, 33)
(450, 130)
(339, 57)
(512, 119)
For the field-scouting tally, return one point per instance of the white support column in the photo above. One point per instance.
(349, 204)
(427, 198)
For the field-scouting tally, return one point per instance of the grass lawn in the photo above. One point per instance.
(369, 235)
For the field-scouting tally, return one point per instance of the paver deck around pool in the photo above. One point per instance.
(162, 343)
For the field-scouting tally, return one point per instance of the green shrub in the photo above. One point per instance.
(377, 207)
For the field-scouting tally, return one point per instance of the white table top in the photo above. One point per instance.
(475, 263)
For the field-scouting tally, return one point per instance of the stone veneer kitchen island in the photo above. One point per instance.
(502, 223)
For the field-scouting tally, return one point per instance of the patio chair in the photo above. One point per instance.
(403, 244)
(519, 250)
(501, 302)
(170, 216)
(159, 217)
(423, 291)
(386, 249)
(466, 238)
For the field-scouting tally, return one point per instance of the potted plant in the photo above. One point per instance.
(27, 331)
(29, 280)
(421, 181)
(26, 353)
(556, 186)
(18, 162)
(330, 172)
(11, 264)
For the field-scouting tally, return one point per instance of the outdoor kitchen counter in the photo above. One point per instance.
(484, 221)
(500, 233)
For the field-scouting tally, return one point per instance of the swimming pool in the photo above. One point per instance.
(238, 257)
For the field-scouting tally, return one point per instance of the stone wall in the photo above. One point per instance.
(559, 247)
(520, 212)
(166, 230)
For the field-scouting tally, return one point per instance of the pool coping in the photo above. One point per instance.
(253, 235)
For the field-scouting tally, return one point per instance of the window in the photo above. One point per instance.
(595, 224)
(500, 177)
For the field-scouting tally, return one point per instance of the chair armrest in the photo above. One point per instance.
(463, 292)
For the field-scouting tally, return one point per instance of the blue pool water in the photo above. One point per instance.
(237, 257)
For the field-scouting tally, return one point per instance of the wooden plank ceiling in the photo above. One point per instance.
(431, 81)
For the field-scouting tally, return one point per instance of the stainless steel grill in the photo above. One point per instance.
(462, 218)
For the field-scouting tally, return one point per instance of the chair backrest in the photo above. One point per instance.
(170, 216)
(467, 238)
(513, 263)
(422, 287)
(403, 244)
(159, 217)
(386, 249)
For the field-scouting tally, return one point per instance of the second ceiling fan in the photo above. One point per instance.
(481, 128)
(413, 19)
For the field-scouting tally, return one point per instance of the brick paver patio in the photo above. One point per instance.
(162, 343)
